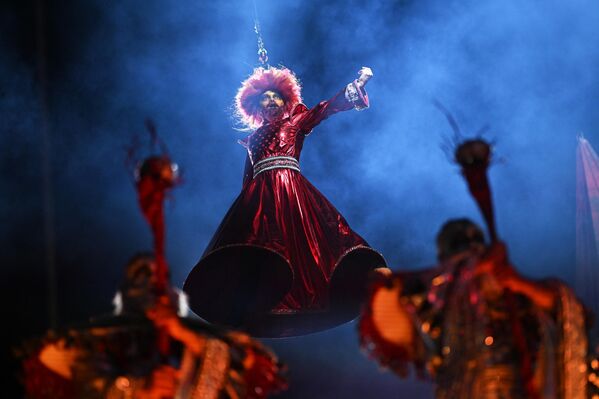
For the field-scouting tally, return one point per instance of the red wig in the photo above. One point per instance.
(280, 80)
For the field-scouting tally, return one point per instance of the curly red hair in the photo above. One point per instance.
(247, 100)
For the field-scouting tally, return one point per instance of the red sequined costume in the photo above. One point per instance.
(455, 324)
(284, 261)
(116, 356)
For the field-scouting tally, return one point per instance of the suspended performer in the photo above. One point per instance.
(283, 261)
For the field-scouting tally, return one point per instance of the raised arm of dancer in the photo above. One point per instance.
(351, 96)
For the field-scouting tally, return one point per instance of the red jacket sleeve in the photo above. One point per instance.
(349, 97)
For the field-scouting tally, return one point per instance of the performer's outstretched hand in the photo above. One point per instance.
(365, 75)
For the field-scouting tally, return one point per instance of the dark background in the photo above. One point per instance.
(78, 78)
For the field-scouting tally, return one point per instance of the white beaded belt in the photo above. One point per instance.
(279, 162)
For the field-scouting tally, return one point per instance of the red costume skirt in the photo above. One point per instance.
(283, 262)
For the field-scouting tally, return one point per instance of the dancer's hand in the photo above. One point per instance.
(365, 75)
(383, 271)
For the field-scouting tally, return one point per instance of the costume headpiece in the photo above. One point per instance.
(247, 100)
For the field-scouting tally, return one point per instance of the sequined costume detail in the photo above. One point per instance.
(464, 341)
(276, 163)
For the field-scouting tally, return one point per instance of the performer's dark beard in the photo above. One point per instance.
(271, 113)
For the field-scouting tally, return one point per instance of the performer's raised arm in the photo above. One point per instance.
(352, 96)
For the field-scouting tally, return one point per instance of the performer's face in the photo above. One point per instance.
(141, 273)
(272, 105)
(145, 277)
(460, 238)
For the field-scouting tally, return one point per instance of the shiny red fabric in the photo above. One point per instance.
(303, 227)
(279, 210)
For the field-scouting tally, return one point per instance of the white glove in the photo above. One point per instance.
(365, 75)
